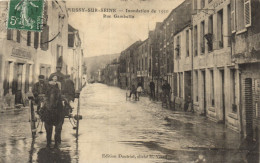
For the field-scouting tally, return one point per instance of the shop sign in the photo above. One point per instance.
(21, 53)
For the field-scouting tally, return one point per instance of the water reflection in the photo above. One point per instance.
(112, 125)
(45, 155)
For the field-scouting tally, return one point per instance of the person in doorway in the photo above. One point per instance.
(152, 89)
(39, 91)
(187, 103)
(54, 113)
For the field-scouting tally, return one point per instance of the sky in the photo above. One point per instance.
(103, 36)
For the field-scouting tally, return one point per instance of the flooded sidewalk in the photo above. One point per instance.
(116, 130)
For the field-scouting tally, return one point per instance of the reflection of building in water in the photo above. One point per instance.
(24, 55)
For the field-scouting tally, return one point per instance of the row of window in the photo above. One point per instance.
(238, 18)
(186, 46)
(201, 82)
(44, 38)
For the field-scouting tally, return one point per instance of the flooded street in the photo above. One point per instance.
(116, 130)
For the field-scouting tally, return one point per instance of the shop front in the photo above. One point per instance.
(18, 71)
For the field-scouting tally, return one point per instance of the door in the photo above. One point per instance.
(187, 85)
(223, 94)
(204, 92)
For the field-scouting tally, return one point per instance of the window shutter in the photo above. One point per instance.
(45, 38)
(233, 16)
(247, 12)
(36, 40)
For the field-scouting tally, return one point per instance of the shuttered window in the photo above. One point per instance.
(247, 12)
(45, 38)
(18, 36)
(29, 38)
(36, 40)
(9, 34)
(233, 16)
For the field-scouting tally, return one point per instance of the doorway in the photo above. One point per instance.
(222, 76)
(187, 84)
(204, 91)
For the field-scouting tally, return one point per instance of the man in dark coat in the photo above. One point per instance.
(166, 88)
(152, 89)
(69, 89)
(69, 93)
(39, 91)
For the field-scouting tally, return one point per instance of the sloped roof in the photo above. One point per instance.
(71, 29)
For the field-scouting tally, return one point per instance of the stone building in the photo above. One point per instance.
(26, 54)
(128, 66)
(215, 77)
(74, 59)
(142, 64)
(179, 17)
(154, 56)
(183, 65)
(245, 56)
(110, 73)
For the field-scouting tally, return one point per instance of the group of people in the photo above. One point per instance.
(53, 98)
(136, 91)
(166, 89)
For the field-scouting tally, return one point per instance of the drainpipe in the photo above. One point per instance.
(192, 70)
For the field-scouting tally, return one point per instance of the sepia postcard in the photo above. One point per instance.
(129, 81)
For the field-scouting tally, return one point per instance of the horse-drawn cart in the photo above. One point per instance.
(37, 115)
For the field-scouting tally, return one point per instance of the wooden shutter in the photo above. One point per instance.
(27, 84)
(247, 13)
(6, 77)
(18, 36)
(233, 16)
(36, 40)
(45, 38)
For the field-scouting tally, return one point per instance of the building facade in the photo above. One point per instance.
(74, 59)
(183, 66)
(216, 79)
(25, 55)
(245, 34)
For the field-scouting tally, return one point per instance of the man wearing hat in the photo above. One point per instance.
(58, 73)
(39, 89)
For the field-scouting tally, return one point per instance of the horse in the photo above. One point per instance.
(53, 114)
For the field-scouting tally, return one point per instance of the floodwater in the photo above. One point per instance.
(116, 130)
